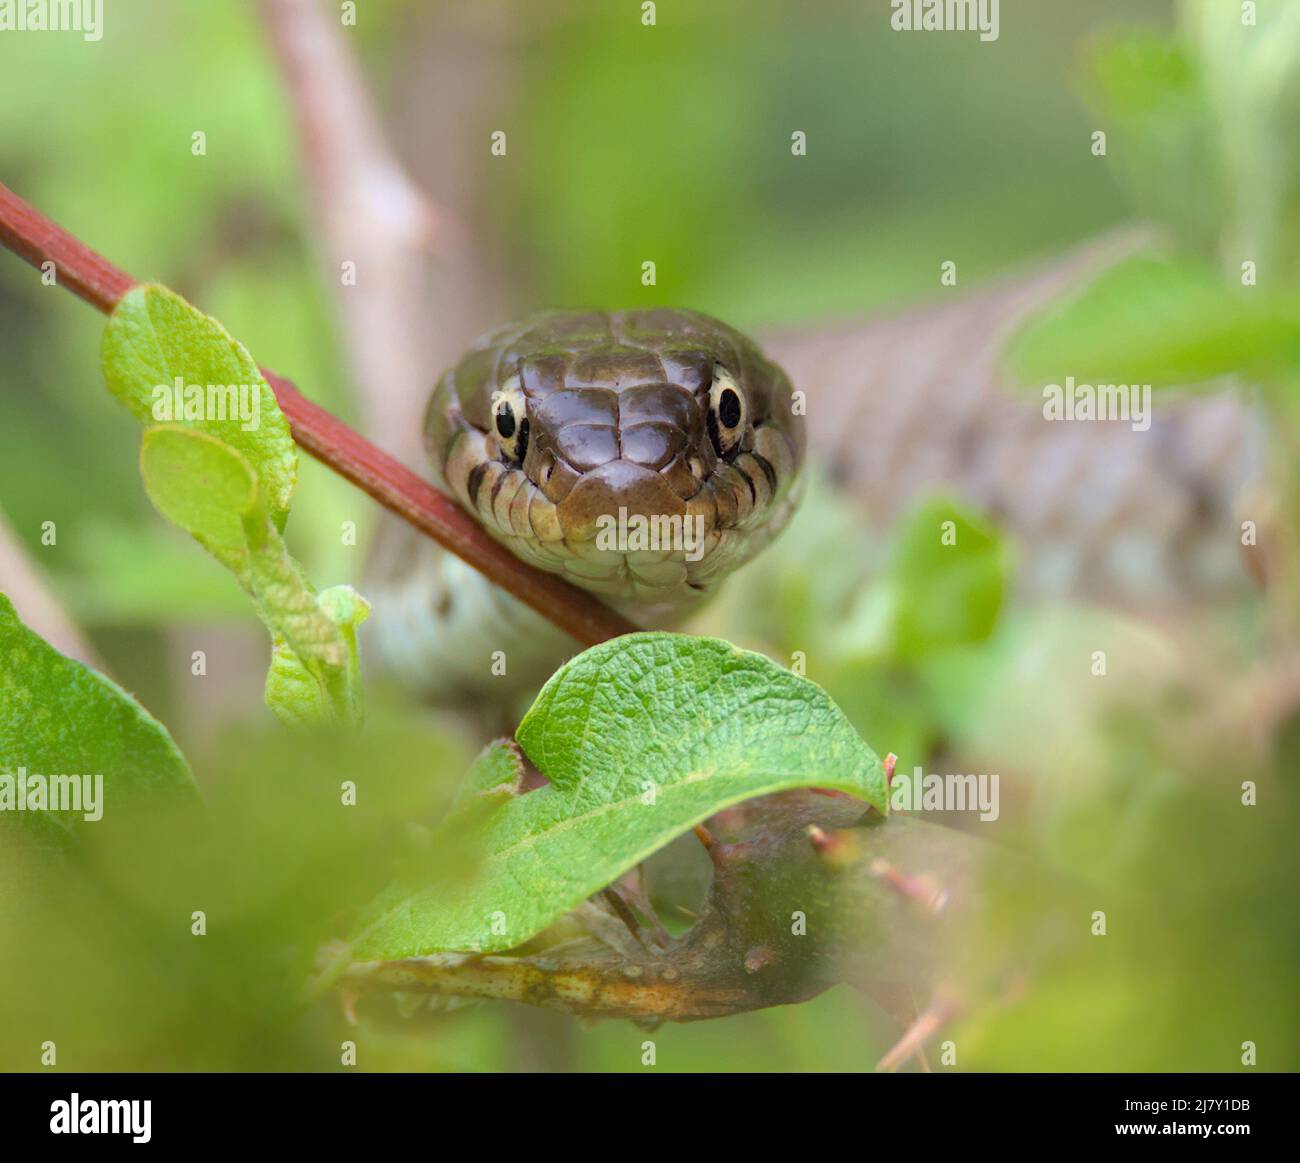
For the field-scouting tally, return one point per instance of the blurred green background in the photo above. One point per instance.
(625, 144)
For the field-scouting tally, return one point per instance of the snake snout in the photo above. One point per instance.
(617, 490)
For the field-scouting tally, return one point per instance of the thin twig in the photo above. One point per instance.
(32, 236)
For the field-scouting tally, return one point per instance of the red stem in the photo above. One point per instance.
(32, 236)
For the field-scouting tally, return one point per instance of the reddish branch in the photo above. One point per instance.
(32, 236)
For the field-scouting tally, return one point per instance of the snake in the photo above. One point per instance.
(642, 455)
(546, 426)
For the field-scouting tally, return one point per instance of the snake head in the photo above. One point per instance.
(642, 455)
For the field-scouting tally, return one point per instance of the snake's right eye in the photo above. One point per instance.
(727, 417)
(510, 421)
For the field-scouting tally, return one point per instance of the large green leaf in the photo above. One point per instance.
(60, 718)
(641, 738)
(1157, 321)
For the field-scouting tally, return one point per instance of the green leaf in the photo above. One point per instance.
(1144, 74)
(206, 487)
(1249, 73)
(947, 579)
(315, 670)
(641, 738)
(1146, 91)
(60, 718)
(497, 771)
(201, 484)
(154, 339)
(308, 688)
(286, 599)
(1157, 321)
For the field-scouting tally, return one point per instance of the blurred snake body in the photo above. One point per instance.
(643, 456)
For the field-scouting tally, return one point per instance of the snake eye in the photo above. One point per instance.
(727, 414)
(510, 420)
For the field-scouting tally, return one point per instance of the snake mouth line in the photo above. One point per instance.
(620, 530)
(619, 523)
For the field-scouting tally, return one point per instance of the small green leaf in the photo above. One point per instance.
(306, 689)
(1161, 322)
(206, 487)
(641, 738)
(948, 577)
(1143, 73)
(60, 718)
(286, 599)
(154, 341)
(201, 484)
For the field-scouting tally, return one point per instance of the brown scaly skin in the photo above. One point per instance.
(604, 412)
(905, 405)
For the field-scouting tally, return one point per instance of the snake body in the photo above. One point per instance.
(642, 455)
(920, 402)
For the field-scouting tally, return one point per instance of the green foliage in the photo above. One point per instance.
(1250, 75)
(641, 738)
(738, 226)
(949, 574)
(316, 675)
(201, 484)
(1159, 321)
(1202, 124)
(939, 594)
(58, 717)
(226, 475)
(100, 952)
(497, 771)
(1148, 93)
(155, 340)
(874, 622)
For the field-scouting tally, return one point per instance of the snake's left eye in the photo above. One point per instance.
(510, 420)
(727, 412)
